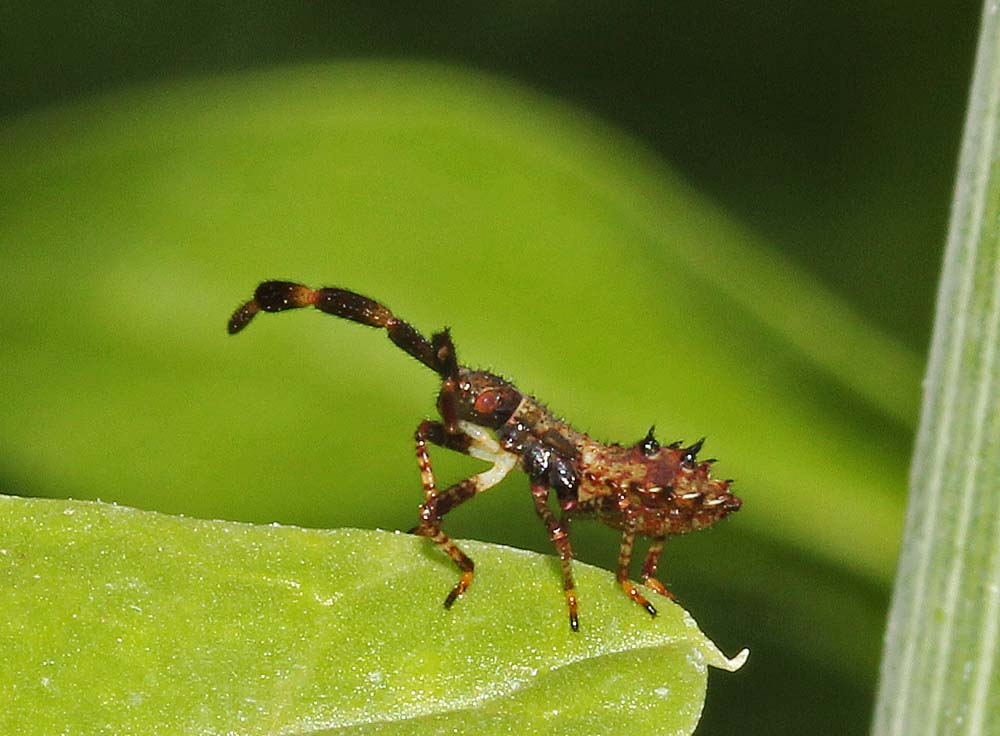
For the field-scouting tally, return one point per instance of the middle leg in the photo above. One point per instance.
(559, 534)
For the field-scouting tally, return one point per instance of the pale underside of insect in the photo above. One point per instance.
(643, 489)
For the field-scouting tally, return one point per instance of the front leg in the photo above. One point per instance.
(470, 440)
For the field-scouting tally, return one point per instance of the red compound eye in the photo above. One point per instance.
(486, 402)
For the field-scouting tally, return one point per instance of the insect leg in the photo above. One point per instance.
(649, 568)
(472, 441)
(624, 558)
(559, 534)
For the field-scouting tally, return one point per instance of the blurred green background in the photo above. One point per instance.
(723, 219)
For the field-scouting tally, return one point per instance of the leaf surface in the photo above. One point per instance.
(131, 622)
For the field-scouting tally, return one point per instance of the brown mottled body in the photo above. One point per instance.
(642, 489)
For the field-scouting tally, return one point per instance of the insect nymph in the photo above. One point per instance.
(643, 489)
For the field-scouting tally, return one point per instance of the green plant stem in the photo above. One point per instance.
(941, 663)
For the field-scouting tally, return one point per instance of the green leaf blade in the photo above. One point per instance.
(123, 621)
(941, 661)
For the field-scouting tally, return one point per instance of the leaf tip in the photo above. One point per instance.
(734, 663)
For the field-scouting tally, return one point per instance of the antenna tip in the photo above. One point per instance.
(242, 316)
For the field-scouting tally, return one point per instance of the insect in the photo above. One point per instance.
(643, 489)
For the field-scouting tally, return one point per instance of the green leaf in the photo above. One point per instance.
(122, 621)
(941, 667)
(562, 255)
